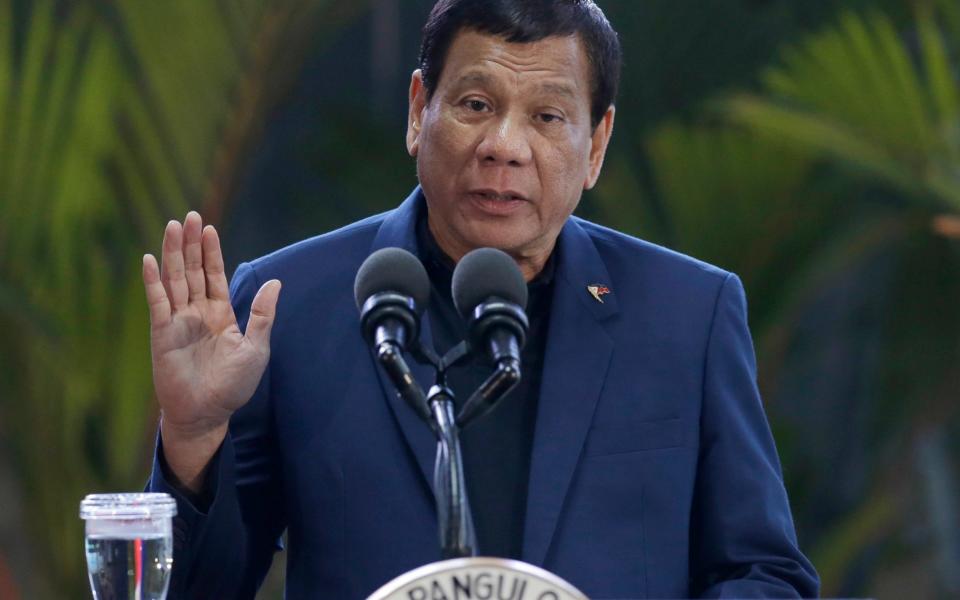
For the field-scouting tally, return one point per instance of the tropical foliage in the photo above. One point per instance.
(114, 117)
(854, 95)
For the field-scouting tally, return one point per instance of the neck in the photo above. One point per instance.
(530, 264)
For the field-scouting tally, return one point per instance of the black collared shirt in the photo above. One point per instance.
(496, 448)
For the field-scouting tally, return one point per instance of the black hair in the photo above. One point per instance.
(527, 21)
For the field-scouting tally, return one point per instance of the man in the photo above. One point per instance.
(634, 460)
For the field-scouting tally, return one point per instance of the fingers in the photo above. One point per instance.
(262, 313)
(192, 267)
(156, 294)
(216, 278)
(172, 272)
(193, 257)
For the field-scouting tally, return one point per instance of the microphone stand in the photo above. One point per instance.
(455, 520)
(457, 536)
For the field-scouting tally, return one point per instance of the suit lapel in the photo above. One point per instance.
(418, 434)
(575, 367)
(399, 230)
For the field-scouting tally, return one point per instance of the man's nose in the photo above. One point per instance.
(506, 142)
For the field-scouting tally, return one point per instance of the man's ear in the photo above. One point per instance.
(418, 101)
(598, 148)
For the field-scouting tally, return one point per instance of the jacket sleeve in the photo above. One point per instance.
(744, 544)
(225, 540)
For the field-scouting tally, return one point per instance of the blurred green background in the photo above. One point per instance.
(811, 146)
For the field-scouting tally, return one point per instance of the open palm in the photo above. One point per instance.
(204, 367)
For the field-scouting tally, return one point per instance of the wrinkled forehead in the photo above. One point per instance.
(555, 64)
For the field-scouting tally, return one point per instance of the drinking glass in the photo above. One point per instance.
(129, 542)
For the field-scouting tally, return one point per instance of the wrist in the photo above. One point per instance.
(188, 451)
(194, 433)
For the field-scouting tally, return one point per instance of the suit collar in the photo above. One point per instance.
(399, 227)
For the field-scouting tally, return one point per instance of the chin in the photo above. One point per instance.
(501, 240)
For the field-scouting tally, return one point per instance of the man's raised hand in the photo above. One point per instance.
(204, 368)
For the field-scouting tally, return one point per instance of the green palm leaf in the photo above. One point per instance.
(853, 94)
(113, 118)
(740, 191)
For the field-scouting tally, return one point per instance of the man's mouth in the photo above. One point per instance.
(496, 202)
(504, 196)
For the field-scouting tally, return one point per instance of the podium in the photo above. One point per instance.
(480, 578)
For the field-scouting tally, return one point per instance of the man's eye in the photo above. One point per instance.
(476, 105)
(550, 118)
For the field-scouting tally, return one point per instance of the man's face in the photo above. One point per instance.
(505, 147)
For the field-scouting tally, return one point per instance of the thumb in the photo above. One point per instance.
(262, 312)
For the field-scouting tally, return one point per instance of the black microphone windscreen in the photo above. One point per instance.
(483, 273)
(392, 270)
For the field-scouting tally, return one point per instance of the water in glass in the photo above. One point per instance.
(129, 545)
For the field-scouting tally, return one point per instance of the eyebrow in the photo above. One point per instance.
(558, 89)
(474, 78)
(485, 79)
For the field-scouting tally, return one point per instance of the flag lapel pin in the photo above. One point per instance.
(598, 291)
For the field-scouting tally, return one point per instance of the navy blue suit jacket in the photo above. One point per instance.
(653, 473)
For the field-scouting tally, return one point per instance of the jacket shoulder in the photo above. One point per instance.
(322, 256)
(641, 260)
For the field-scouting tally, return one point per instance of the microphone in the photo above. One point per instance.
(391, 290)
(490, 293)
